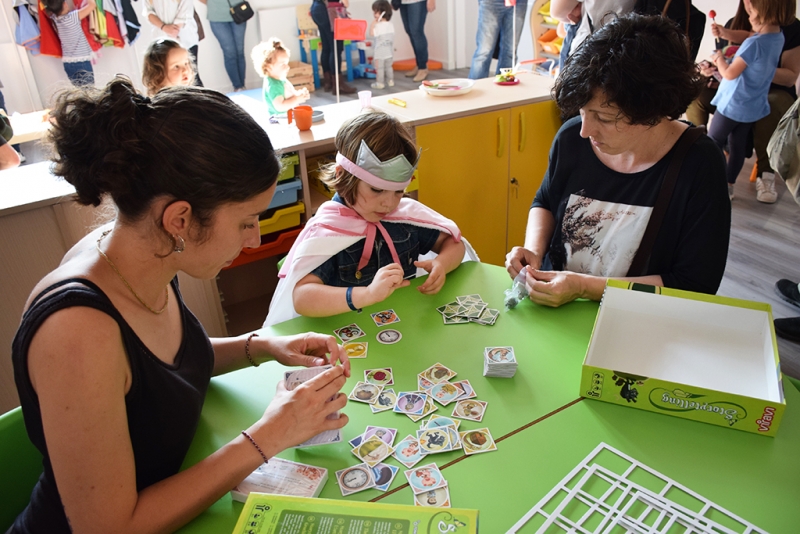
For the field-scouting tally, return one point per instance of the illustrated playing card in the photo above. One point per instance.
(434, 440)
(365, 392)
(382, 318)
(379, 377)
(385, 434)
(423, 383)
(356, 349)
(384, 474)
(444, 393)
(477, 441)
(466, 389)
(430, 407)
(408, 452)
(411, 402)
(455, 319)
(438, 498)
(386, 401)
(349, 332)
(292, 379)
(437, 373)
(355, 479)
(425, 478)
(372, 451)
(500, 354)
(470, 409)
(442, 420)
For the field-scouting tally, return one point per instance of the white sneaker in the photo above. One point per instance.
(377, 85)
(765, 188)
(730, 191)
(390, 83)
(421, 75)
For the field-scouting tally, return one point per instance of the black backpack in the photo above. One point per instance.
(690, 19)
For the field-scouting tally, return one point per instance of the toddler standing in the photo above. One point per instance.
(271, 60)
(741, 98)
(76, 53)
(383, 33)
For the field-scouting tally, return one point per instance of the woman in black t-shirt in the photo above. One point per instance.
(625, 88)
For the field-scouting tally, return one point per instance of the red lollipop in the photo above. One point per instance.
(712, 14)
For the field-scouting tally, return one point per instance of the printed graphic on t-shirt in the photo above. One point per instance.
(601, 238)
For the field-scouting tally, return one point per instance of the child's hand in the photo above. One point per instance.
(718, 54)
(386, 280)
(303, 93)
(436, 276)
(716, 29)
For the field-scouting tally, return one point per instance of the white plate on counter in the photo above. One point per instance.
(448, 87)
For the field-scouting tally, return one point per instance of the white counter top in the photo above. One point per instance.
(31, 186)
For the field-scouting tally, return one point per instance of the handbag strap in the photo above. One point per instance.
(642, 257)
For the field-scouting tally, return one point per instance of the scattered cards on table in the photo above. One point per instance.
(429, 486)
(379, 377)
(356, 349)
(389, 336)
(477, 441)
(468, 309)
(291, 380)
(499, 362)
(365, 392)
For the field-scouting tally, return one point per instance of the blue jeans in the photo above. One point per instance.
(80, 73)
(327, 59)
(231, 38)
(495, 21)
(414, 16)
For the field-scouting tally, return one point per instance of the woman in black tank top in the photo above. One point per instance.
(110, 365)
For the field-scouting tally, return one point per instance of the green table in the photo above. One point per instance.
(542, 428)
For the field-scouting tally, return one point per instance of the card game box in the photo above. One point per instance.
(267, 514)
(700, 357)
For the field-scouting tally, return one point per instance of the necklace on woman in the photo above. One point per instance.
(111, 263)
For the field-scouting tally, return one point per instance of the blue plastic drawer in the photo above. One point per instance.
(286, 193)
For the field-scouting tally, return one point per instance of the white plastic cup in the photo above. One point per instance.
(365, 97)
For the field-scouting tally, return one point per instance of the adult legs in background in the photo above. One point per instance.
(79, 73)
(193, 52)
(701, 107)
(329, 58)
(508, 38)
(722, 128)
(231, 39)
(489, 20)
(779, 103)
(414, 16)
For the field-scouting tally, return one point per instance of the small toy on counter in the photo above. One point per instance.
(397, 102)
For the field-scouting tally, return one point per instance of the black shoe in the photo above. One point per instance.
(787, 290)
(788, 328)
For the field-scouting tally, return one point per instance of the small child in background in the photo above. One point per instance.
(271, 60)
(167, 64)
(366, 242)
(741, 98)
(383, 51)
(76, 54)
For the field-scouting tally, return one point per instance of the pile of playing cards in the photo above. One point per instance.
(499, 362)
(429, 486)
(468, 309)
(291, 380)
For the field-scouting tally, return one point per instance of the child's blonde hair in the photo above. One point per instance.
(777, 12)
(264, 53)
(385, 136)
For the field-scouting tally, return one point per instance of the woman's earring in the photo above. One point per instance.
(180, 244)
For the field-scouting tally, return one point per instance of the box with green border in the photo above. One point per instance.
(267, 514)
(701, 357)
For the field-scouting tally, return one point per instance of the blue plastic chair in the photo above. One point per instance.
(20, 465)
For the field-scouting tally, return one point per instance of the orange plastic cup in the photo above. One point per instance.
(301, 116)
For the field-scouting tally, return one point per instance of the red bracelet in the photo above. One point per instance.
(264, 456)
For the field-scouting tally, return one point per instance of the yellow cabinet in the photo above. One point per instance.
(483, 171)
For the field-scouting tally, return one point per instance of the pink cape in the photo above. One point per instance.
(332, 229)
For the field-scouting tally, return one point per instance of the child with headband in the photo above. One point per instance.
(365, 243)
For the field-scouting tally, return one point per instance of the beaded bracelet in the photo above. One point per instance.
(247, 349)
(264, 456)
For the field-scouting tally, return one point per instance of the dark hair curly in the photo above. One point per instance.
(154, 68)
(642, 65)
(187, 143)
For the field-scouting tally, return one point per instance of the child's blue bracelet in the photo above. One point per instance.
(349, 296)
